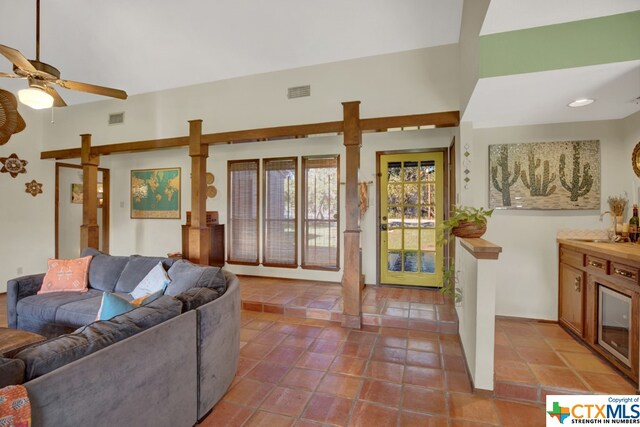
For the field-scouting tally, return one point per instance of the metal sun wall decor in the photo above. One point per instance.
(13, 165)
(545, 175)
(34, 188)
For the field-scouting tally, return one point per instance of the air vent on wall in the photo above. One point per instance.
(116, 118)
(299, 91)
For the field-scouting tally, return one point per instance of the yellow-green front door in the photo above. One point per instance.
(411, 207)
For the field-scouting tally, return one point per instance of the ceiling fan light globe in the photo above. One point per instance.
(35, 98)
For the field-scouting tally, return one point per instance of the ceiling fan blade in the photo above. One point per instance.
(11, 76)
(57, 99)
(98, 90)
(17, 59)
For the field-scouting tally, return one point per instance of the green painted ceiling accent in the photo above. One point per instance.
(603, 40)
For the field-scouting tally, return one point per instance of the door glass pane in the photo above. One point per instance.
(411, 239)
(411, 216)
(394, 194)
(394, 261)
(394, 216)
(411, 262)
(427, 194)
(428, 262)
(428, 216)
(395, 239)
(428, 239)
(411, 194)
(427, 171)
(410, 171)
(394, 173)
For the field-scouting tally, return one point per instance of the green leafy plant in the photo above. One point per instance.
(457, 216)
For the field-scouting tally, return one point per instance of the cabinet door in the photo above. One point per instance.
(571, 302)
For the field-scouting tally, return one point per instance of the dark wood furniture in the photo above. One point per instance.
(216, 233)
(14, 340)
(588, 272)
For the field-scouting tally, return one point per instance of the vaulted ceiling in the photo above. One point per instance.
(149, 45)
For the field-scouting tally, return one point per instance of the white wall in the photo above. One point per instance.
(528, 272)
(413, 82)
(26, 222)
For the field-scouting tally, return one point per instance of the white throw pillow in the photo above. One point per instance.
(156, 280)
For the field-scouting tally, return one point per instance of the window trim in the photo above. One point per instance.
(264, 212)
(230, 219)
(303, 182)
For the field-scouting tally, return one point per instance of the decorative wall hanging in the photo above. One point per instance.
(10, 120)
(13, 165)
(466, 163)
(635, 159)
(545, 175)
(155, 193)
(363, 203)
(77, 194)
(34, 188)
(212, 191)
(209, 178)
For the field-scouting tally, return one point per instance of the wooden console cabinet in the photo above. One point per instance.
(589, 273)
(216, 233)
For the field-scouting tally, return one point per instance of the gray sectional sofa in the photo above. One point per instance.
(163, 364)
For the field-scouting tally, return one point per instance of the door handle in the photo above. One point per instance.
(383, 227)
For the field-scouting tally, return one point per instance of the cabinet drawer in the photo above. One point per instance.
(597, 264)
(570, 257)
(625, 272)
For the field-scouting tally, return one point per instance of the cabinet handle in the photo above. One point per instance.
(576, 285)
(596, 264)
(623, 273)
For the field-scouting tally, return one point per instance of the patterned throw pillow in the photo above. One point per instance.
(66, 275)
(113, 305)
(15, 408)
(156, 280)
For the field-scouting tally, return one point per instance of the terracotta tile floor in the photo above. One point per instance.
(407, 359)
(533, 359)
(310, 372)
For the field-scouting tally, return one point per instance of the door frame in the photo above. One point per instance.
(106, 205)
(445, 191)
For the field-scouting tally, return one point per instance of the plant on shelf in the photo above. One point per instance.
(463, 221)
(617, 205)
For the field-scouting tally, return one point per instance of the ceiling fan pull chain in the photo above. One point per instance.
(52, 120)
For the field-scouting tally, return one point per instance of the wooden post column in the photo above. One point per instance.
(199, 245)
(351, 290)
(89, 230)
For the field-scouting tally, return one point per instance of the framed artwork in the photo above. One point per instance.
(545, 175)
(77, 194)
(155, 193)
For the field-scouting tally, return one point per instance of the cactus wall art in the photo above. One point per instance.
(545, 175)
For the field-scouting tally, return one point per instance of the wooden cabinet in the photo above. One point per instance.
(599, 299)
(216, 242)
(571, 298)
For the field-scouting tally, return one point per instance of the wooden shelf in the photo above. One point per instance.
(480, 248)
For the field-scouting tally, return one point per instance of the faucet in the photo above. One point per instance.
(611, 232)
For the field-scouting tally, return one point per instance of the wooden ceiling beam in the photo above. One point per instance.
(379, 124)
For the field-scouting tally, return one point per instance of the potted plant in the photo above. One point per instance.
(463, 221)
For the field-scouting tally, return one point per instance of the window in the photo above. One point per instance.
(320, 212)
(280, 225)
(243, 211)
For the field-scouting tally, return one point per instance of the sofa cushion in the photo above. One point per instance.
(11, 371)
(136, 269)
(104, 269)
(196, 297)
(113, 305)
(185, 275)
(66, 275)
(155, 280)
(44, 307)
(44, 357)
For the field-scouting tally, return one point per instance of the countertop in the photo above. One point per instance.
(628, 251)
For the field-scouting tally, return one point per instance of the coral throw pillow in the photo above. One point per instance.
(66, 275)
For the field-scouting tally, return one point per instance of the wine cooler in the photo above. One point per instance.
(614, 323)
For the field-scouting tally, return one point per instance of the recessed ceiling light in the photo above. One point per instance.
(581, 102)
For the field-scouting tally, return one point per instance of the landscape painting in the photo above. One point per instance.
(545, 175)
(155, 193)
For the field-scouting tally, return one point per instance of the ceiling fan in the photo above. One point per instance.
(42, 76)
